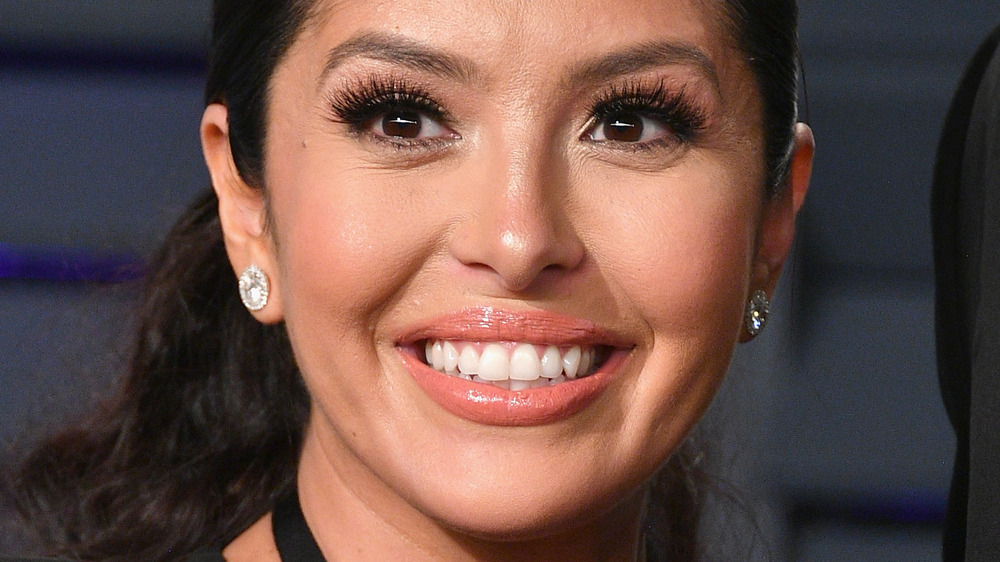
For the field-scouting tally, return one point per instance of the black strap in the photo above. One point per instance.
(291, 533)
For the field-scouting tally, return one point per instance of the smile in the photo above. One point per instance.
(513, 365)
(507, 368)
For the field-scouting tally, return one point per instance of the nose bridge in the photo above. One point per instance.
(522, 226)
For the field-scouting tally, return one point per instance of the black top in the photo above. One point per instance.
(291, 535)
(966, 223)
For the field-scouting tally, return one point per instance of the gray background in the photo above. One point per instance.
(830, 425)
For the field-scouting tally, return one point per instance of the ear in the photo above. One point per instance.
(777, 231)
(242, 210)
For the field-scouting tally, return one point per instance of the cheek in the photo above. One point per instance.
(680, 250)
(680, 260)
(345, 244)
(347, 249)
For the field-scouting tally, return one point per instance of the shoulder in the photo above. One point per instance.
(256, 544)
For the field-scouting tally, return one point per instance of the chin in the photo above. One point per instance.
(535, 518)
(533, 509)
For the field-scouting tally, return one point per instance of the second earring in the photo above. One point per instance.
(254, 288)
(756, 313)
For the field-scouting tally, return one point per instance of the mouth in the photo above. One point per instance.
(506, 368)
(513, 365)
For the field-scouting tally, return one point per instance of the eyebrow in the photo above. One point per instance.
(645, 57)
(402, 51)
(407, 52)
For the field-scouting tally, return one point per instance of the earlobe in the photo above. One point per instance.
(242, 211)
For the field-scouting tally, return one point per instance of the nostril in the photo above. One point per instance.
(516, 236)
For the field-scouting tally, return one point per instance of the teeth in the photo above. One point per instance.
(551, 362)
(505, 384)
(586, 360)
(494, 364)
(468, 361)
(519, 385)
(524, 364)
(450, 357)
(516, 366)
(437, 356)
(571, 361)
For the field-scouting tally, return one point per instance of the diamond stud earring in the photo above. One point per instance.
(254, 288)
(756, 313)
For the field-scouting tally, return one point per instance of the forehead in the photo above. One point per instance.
(526, 34)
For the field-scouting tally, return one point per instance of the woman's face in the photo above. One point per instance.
(504, 179)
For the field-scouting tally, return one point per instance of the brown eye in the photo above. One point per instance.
(623, 127)
(401, 124)
(628, 127)
(406, 124)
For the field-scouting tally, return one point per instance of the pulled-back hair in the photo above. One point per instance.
(205, 433)
(766, 31)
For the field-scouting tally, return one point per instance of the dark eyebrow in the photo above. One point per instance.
(402, 51)
(644, 57)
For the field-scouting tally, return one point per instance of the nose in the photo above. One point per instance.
(520, 230)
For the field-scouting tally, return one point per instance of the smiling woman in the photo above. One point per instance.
(494, 258)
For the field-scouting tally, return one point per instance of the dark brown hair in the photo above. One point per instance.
(205, 432)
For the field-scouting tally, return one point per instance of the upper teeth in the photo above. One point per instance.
(511, 365)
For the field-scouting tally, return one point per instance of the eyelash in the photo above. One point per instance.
(358, 105)
(672, 108)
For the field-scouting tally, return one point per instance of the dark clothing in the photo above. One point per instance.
(966, 222)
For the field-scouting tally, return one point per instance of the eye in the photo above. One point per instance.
(639, 115)
(409, 124)
(391, 111)
(628, 127)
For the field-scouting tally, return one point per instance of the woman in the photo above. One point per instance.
(496, 257)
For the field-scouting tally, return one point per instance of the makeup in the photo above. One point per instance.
(544, 398)
(627, 114)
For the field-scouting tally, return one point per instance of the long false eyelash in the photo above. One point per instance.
(671, 107)
(358, 104)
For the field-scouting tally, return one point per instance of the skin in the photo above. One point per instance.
(517, 209)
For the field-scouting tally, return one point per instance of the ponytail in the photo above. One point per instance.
(203, 436)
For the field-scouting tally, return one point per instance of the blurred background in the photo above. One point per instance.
(830, 426)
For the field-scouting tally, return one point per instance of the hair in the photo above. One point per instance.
(767, 33)
(204, 435)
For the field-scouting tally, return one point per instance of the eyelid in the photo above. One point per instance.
(359, 101)
(362, 103)
(674, 107)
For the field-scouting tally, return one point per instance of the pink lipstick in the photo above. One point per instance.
(536, 403)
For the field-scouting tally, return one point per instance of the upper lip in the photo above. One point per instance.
(488, 323)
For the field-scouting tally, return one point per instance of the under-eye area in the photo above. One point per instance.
(513, 365)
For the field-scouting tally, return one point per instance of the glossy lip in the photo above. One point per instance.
(491, 405)
(492, 324)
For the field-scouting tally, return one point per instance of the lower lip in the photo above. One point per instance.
(490, 405)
